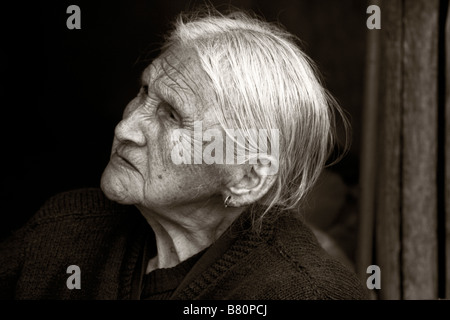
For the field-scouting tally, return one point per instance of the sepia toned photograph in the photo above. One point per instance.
(247, 151)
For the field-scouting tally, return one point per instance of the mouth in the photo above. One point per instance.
(123, 161)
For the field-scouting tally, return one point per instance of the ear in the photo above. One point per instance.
(254, 182)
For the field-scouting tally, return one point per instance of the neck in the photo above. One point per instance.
(181, 233)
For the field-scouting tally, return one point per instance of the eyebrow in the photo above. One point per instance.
(145, 75)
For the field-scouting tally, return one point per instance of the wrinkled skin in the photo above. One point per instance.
(141, 171)
(184, 204)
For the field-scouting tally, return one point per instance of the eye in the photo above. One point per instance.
(166, 111)
(144, 89)
(172, 116)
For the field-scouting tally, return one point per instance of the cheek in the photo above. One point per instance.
(171, 183)
(199, 182)
(177, 184)
(157, 158)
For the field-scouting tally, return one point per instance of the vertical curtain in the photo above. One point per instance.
(404, 224)
(446, 131)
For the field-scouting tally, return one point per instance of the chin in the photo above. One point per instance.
(114, 189)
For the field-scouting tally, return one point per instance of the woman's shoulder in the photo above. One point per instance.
(78, 227)
(306, 260)
(81, 213)
(79, 203)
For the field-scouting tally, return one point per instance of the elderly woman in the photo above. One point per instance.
(229, 131)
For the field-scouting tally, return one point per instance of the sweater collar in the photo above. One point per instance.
(236, 242)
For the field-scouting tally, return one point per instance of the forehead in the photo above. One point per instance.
(178, 72)
(175, 61)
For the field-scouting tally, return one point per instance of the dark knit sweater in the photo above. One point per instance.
(160, 284)
(106, 240)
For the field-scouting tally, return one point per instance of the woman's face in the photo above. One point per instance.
(140, 170)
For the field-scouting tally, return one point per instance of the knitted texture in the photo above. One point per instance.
(105, 240)
(160, 284)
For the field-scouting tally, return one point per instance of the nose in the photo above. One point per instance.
(128, 130)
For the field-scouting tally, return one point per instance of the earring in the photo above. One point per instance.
(227, 201)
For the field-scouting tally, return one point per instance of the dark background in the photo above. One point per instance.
(63, 91)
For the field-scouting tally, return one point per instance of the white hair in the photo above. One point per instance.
(262, 80)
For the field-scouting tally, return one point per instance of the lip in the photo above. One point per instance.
(121, 160)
